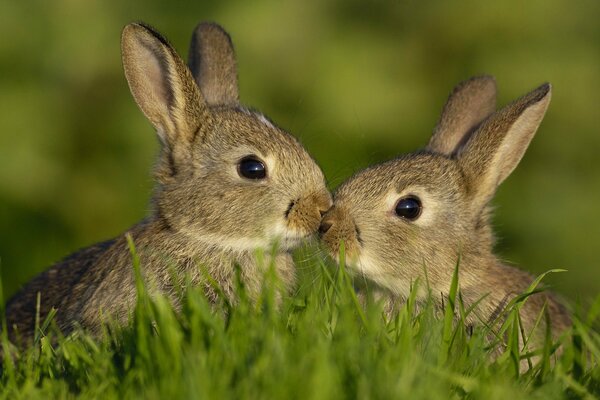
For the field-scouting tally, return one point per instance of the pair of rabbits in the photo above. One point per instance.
(228, 182)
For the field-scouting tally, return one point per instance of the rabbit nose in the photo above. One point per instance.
(324, 227)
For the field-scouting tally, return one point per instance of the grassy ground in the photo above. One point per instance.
(320, 344)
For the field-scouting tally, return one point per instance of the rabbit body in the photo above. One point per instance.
(100, 278)
(415, 217)
(229, 182)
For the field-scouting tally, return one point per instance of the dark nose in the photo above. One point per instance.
(324, 227)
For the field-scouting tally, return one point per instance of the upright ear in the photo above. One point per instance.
(495, 149)
(468, 105)
(162, 85)
(212, 62)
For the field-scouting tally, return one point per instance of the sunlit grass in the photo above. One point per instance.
(320, 343)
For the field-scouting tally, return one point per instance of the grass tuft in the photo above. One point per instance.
(320, 343)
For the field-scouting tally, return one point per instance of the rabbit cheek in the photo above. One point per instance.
(396, 277)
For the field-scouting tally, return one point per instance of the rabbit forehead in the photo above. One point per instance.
(239, 132)
(380, 184)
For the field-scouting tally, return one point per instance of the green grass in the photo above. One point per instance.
(319, 343)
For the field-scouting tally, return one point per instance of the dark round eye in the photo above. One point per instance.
(409, 208)
(250, 167)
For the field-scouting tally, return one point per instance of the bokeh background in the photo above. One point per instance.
(357, 81)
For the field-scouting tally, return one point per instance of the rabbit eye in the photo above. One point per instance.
(409, 208)
(250, 167)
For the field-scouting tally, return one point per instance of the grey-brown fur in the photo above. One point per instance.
(473, 149)
(203, 211)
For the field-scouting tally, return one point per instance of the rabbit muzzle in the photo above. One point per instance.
(303, 215)
(336, 227)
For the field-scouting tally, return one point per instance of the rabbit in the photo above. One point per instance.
(228, 182)
(416, 216)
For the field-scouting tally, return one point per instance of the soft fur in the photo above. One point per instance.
(473, 149)
(204, 213)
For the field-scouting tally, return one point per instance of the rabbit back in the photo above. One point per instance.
(52, 286)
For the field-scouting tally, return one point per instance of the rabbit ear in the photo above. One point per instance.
(468, 105)
(162, 85)
(212, 62)
(496, 147)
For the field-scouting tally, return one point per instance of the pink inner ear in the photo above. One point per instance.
(517, 140)
(153, 76)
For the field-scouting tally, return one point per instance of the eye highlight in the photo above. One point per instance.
(251, 167)
(409, 208)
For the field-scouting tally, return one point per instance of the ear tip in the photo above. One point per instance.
(543, 92)
(487, 78)
(478, 83)
(129, 30)
(546, 87)
(209, 28)
(136, 27)
(488, 81)
(128, 35)
(141, 29)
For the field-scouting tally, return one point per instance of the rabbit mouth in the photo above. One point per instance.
(351, 249)
(287, 238)
(290, 242)
(351, 252)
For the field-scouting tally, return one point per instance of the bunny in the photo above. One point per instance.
(228, 182)
(416, 216)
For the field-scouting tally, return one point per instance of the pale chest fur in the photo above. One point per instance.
(108, 288)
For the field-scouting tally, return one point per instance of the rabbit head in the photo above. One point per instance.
(413, 217)
(226, 175)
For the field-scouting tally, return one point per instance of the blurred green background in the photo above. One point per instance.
(358, 81)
